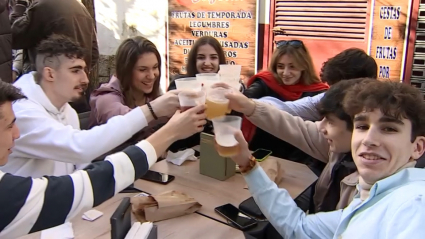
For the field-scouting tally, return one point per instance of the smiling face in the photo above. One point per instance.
(287, 71)
(145, 73)
(69, 79)
(336, 132)
(207, 60)
(8, 131)
(381, 145)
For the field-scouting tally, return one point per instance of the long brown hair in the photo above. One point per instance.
(126, 58)
(205, 40)
(302, 60)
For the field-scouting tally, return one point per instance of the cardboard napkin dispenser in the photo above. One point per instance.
(211, 163)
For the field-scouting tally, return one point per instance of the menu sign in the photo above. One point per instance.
(389, 37)
(232, 22)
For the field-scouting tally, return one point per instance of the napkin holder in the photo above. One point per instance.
(211, 163)
(121, 221)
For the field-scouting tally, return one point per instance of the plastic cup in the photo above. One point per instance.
(224, 130)
(208, 79)
(189, 99)
(217, 103)
(189, 83)
(230, 70)
(231, 74)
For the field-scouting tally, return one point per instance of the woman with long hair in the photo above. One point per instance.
(135, 83)
(290, 76)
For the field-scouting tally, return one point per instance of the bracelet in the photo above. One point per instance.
(250, 166)
(151, 110)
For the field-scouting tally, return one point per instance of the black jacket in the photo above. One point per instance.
(42, 18)
(5, 43)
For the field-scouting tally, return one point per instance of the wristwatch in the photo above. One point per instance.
(250, 166)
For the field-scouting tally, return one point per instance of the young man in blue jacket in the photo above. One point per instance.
(388, 137)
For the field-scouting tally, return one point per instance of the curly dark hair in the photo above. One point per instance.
(51, 48)
(56, 45)
(350, 64)
(9, 93)
(394, 99)
(331, 102)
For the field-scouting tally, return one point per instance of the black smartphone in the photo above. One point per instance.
(261, 154)
(234, 215)
(157, 177)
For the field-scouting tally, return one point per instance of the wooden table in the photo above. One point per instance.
(188, 226)
(207, 191)
(212, 193)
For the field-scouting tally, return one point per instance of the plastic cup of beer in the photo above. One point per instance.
(224, 130)
(189, 83)
(189, 99)
(217, 103)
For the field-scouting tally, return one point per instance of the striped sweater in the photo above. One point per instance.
(28, 205)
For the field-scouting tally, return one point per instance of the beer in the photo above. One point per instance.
(216, 108)
(227, 146)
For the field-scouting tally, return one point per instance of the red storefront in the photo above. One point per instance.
(386, 29)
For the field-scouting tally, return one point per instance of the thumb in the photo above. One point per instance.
(240, 138)
(177, 113)
(196, 109)
(175, 92)
(231, 96)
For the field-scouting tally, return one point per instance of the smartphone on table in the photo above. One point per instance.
(157, 177)
(261, 154)
(236, 217)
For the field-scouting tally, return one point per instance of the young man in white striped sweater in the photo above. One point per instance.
(28, 205)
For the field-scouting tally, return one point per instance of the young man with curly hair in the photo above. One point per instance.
(388, 137)
(51, 141)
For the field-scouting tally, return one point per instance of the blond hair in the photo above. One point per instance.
(302, 61)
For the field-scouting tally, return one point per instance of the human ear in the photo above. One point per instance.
(49, 74)
(418, 147)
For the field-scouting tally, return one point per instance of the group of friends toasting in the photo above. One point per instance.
(361, 136)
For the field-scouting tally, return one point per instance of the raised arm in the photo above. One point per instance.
(58, 142)
(30, 205)
(302, 134)
(282, 212)
(278, 206)
(35, 204)
(304, 107)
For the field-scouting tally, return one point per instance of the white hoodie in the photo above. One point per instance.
(51, 142)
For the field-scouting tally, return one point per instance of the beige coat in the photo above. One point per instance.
(306, 136)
